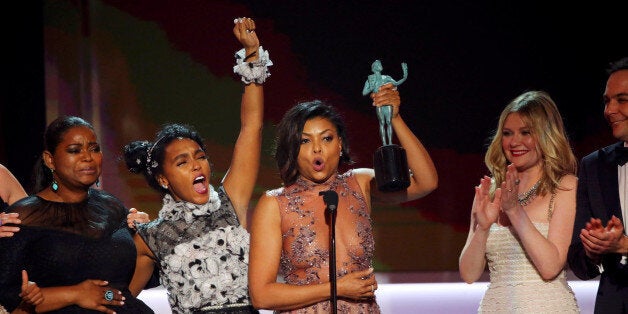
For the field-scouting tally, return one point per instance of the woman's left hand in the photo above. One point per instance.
(9, 218)
(244, 31)
(510, 190)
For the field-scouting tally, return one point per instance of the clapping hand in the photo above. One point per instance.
(485, 211)
(598, 240)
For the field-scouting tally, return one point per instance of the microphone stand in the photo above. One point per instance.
(330, 198)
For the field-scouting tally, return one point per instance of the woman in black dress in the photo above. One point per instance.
(74, 240)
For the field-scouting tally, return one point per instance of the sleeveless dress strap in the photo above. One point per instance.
(550, 210)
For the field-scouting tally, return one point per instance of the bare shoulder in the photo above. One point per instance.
(568, 182)
(4, 172)
(267, 203)
(364, 175)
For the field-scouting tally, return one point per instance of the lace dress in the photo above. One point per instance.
(203, 255)
(305, 253)
(62, 244)
(515, 285)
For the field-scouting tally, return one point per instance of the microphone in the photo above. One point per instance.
(330, 197)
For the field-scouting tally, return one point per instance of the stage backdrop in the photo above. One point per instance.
(130, 66)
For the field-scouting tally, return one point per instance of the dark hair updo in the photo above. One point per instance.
(147, 157)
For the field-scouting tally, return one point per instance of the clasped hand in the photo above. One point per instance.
(387, 95)
(358, 285)
(598, 240)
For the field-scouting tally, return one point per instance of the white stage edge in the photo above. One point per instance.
(421, 297)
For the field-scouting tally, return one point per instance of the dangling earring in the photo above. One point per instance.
(164, 186)
(98, 182)
(340, 153)
(55, 185)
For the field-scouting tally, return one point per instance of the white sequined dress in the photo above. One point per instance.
(515, 284)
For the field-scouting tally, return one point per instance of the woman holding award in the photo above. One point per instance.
(289, 232)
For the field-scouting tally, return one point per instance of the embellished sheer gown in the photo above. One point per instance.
(306, 234)
(203, 254)
(515, 284)
(62, 244)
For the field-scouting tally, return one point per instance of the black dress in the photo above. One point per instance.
(3, 205)
(62, 244)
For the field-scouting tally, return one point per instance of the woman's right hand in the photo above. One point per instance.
(91, 295)
(31, 293)
(485, 211)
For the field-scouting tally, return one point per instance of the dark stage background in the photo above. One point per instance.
(130, 66)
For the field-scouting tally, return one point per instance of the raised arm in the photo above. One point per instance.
(484, 213)
(404, 67)
(240, 179)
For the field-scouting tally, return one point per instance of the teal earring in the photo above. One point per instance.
(98, 182)
(55, 185)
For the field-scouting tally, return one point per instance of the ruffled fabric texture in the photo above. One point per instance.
(255, 71)
(203, 253)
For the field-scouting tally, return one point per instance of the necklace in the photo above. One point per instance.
(526, 198)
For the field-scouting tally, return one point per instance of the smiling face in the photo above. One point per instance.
(320, 149)
(519, 144)
(77, 160)
(616, 104)
(186, 171)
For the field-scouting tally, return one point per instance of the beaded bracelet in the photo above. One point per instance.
(254, 71)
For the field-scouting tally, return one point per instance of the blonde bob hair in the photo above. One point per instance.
(539, 112)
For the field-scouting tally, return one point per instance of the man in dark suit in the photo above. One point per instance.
(599, 245)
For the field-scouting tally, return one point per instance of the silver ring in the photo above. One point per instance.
(250, 31)
(517, 181)
(372, 288)
(109, 295)
(509, 190)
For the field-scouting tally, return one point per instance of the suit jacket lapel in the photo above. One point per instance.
(608, 182)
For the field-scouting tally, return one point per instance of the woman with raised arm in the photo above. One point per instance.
(289, 232)
(199, 242)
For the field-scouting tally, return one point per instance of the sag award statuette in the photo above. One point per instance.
(390, 161)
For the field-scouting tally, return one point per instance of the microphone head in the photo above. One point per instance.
(330, 197)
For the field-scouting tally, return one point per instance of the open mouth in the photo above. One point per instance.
(200, 185)
(318, 164)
